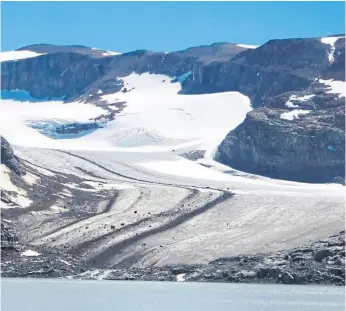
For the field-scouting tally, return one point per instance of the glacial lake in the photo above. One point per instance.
(75, 295)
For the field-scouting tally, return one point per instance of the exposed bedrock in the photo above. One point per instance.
(311, 149)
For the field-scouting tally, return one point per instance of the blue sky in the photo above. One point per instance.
(164, 26)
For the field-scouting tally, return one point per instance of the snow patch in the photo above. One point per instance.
(65, 262)
(30, 179)
(336, 87)
(30, 253)
(109, 53)
(113, 108)
(294, 98)
(66, 193)
(289, 104)
(294, 114)
(331, 41)
(247, 46)
(16, 55)
(181, 277)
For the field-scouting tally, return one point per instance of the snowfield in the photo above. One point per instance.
(294, 99)
(15, 55)
(155, 116)
(153, 106)
(293, 114)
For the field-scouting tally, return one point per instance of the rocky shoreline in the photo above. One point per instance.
(321, 262)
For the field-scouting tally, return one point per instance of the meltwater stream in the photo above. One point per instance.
(62, 295)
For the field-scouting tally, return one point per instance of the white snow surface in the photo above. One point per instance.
(293, 114)
(295, 98)
(30, 253)
(331, 41)
(181, 277)
(157, 115)
(336, 87)
(15, 55)
(109, 53)
(155, 118)
(247, 46)
(15, 115)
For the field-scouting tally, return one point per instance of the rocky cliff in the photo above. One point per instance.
(311, 149)
(73, 71)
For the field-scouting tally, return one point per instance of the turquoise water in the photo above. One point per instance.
(54, 295)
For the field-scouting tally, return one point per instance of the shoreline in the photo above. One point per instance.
(67, 279)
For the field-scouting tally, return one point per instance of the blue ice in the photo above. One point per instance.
(50, 129)
(330, 148)
(181, 79)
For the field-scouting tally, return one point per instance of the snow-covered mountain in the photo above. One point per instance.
(137, 158)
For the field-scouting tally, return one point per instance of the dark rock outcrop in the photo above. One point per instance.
(194, 155)
(9, 159)
(9, 236)
(43, 263)
(274, 68)
(310, 149)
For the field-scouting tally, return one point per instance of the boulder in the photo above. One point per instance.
(322, 253)
(287, 278)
